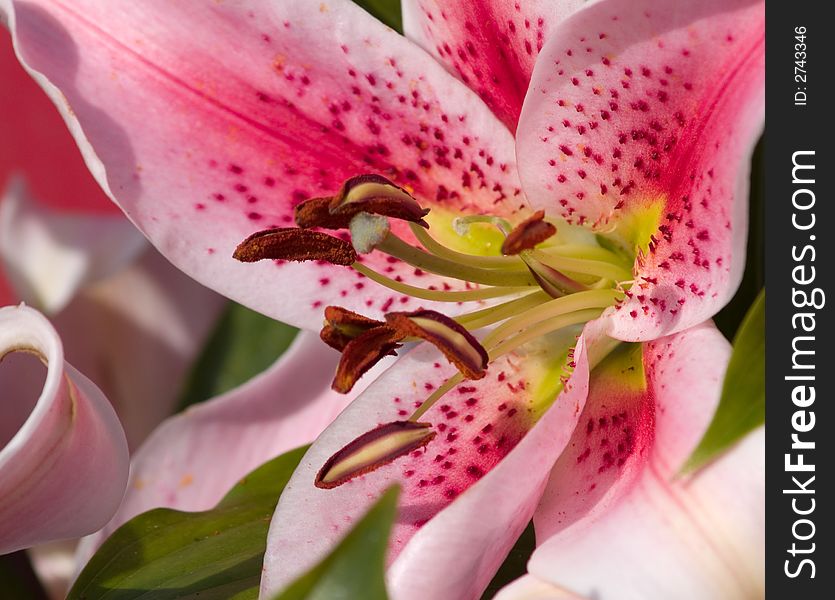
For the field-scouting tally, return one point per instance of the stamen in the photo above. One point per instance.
(372, 450)
(295, 245)
(500, 349)
(596, 299)
(454, 341)
(343, 325)
(543, 328)
(372, 194)
(494, 314)
(485, 262)
(377, 195)
(397, 248)
(598, 268)
(484, 293)
(316, 213)
(362, 353)
(530, 232)
(549, 279)
(586, 252)
(461, 225)
(436, 395)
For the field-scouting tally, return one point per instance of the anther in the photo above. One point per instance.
(528, 234)
(459, 346)
(371, 194)
(342, 326)
(295, 245)
(315, 212)
(372, 450)
(377, 195)
(362, 353)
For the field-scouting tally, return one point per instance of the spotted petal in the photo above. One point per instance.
(491, 45)
(202, 148)
(641, 119)
(192, 459)
(615, 523)
(64, 460)
(467, 494)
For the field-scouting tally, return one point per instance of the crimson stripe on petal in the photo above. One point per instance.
(490, 45)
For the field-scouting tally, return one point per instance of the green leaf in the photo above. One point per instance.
(516, 563)
(243, 344)
(356, 567)
(387, 11)
(742, 406)
(213, 555)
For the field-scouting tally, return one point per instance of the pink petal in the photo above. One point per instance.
(202, 148)
(466, 496)
(490, 45)
(648, 111)
(630, 530)
(49, 254)
(528, 587)
(7, 295)
(138, 333)
(37, 146)
(64, 470)
(194, 458)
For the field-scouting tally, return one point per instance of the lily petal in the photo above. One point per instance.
(490, 45)
(194, 458)
(202, 148)
(641, 118)
(63, 472)
(488, 457)
(7, 296)
(48, 254)
(627, 529)
(138, 333)
(37, 146)
(529, 587)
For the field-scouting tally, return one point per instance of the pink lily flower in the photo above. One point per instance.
(637, 124)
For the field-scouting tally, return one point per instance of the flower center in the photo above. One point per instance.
(548, 277)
